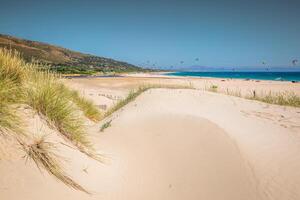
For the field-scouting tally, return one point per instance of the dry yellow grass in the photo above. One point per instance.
(27, 83)
(278, 98)
(133, 94)
(10, 91)
(42, 153)
(87, 106)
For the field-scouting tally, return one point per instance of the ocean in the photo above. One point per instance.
(275, 76)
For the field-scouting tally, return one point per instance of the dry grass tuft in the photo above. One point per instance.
(41, 152)
(50, 99)
(130, 97)
(105, 125)
(133, 94)
(280, 98)
(212, 88)
(87, 106)
(236, 92)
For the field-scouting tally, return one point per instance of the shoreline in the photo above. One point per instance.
(242, 78)
(163, 75)
(167, 75)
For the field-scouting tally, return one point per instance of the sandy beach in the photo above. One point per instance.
(173, 144)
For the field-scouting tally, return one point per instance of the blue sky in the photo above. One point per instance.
(164, 32)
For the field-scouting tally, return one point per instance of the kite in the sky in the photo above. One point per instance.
(295, 61)
(264, 63)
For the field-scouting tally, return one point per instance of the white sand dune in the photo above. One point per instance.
(178, 144)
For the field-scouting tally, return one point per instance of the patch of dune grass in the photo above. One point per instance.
(25, 83)
(130, 97)
(280, 98)
(236, 92)
(50, 99)
(44, 92)
(87, 106)
(12, 67)
(10, 93)
(42, 153)
(212, 88)
(277, 98)
(133, 94)
(105, 125)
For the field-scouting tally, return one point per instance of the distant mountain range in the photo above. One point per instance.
(62, 59)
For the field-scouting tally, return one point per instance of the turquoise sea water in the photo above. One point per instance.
(276, 76)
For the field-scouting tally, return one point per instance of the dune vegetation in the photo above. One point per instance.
(41, 152)
(105, 125)
(63, 109)
(87, 106)
(277, 98)
(133, 94)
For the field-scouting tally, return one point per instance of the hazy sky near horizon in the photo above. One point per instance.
(165, 32)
